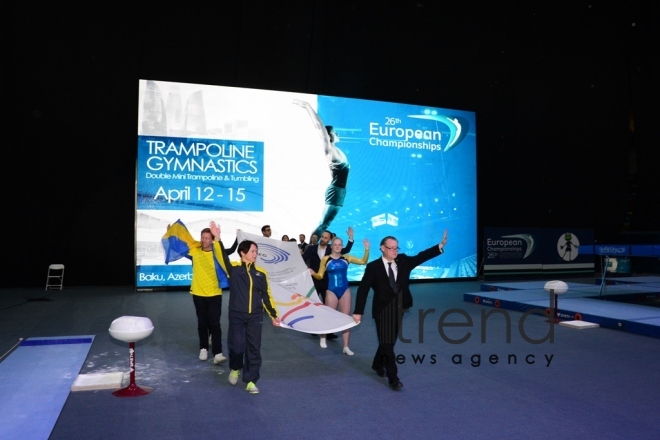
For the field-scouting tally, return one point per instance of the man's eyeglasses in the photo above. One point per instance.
(392, 248)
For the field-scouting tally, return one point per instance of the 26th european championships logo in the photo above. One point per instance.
(441, 129)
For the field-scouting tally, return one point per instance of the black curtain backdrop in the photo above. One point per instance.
(565, 95)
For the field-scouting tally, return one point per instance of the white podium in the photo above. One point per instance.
(555, 288)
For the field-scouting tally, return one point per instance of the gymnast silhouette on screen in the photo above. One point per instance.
(339, 168)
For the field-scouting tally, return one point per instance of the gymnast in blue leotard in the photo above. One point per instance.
(337, 269)
(335, 266)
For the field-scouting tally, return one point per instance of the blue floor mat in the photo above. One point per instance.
(35, 381)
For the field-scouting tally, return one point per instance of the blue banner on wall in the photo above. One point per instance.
(536, 250)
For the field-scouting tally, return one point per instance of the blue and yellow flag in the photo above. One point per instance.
(177, 243)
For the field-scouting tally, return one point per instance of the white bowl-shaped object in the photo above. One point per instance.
(557, 286)
(131, 328)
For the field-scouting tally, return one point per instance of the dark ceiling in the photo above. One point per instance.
(566, 100)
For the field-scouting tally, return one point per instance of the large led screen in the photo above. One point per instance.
(246, 157)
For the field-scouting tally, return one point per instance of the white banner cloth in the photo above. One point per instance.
(298, 305)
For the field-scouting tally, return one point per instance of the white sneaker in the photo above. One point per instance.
(322, 343)
(233, 376)
(203, 354)
(252, 388)
(219, 358)
(348, 351)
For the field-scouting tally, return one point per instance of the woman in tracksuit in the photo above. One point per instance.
(249, 294)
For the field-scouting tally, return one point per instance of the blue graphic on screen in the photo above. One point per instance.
(412, 175)
(199, 174)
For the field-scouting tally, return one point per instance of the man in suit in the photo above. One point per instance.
(313, 255)
(389, 277)
(303, 244)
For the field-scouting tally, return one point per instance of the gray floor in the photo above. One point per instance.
(595, 383)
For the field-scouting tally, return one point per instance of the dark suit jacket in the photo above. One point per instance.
(375, 277)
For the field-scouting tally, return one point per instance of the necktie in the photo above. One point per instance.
(390, 274)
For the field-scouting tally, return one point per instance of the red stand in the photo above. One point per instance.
(556, 317)
(132, 390)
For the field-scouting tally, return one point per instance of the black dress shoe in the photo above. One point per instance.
(396, 386)
(331, 336)
(380, 372)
